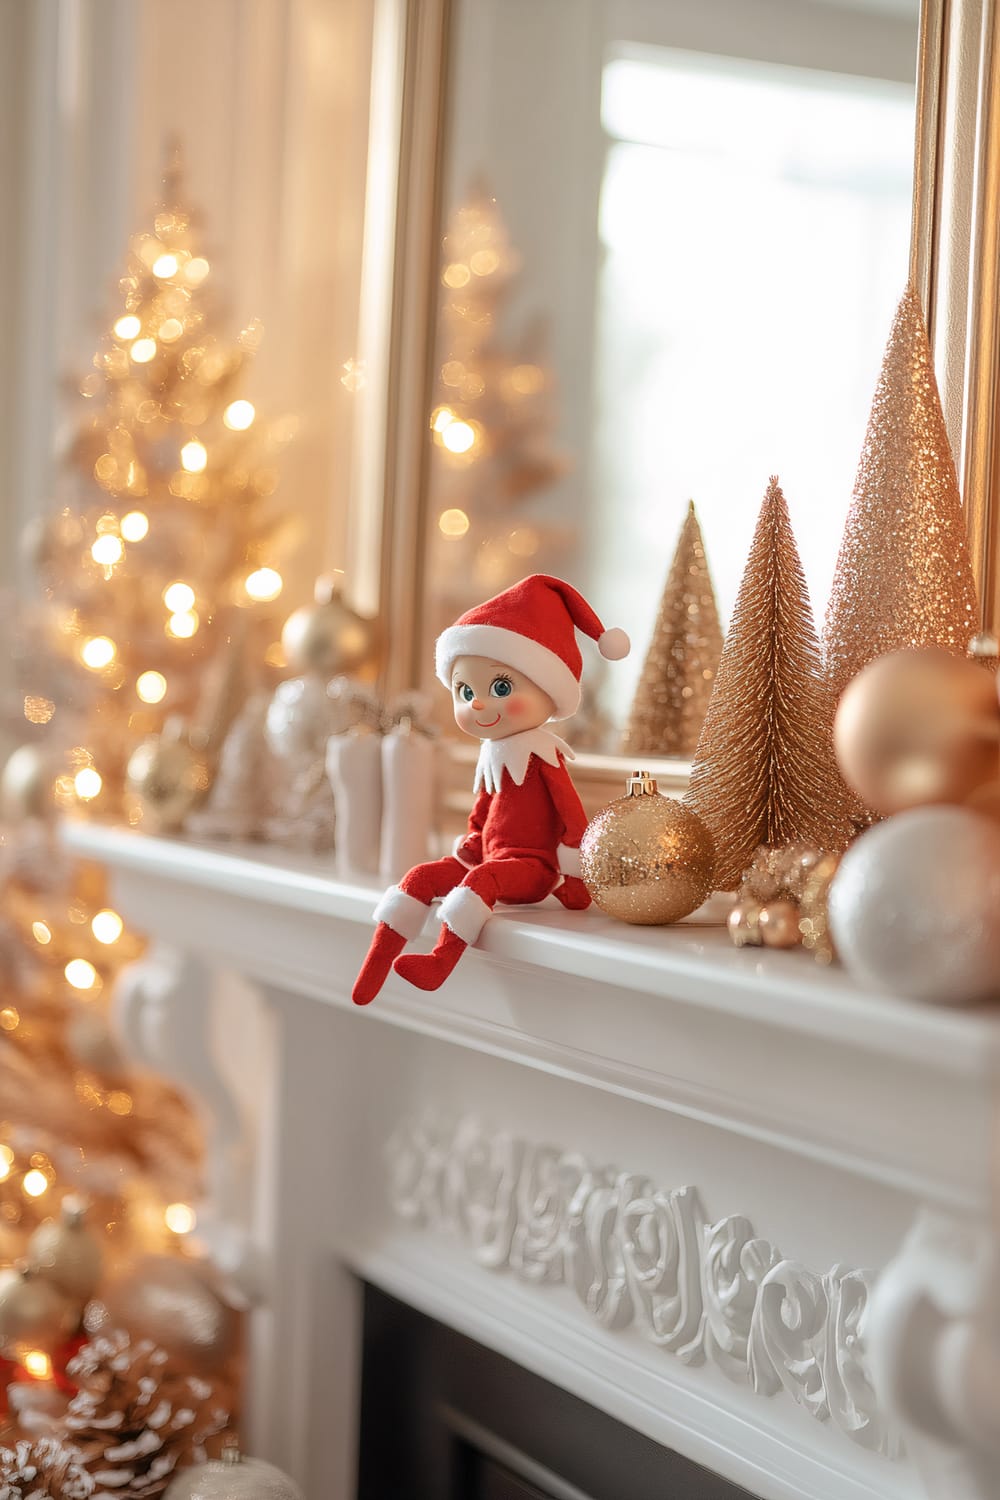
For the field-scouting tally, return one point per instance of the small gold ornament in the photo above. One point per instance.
(743, 923)
(779, 924)
(173, 1302)
(233, 1477)
(65, 1253)
(166, 777)
(917, 727)
(327, 638)
(34, 1314)
(647, 859)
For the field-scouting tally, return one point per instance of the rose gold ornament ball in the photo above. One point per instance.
(779, 924)
(33, 1312)
(173, 1302)
(647, 859)
(917, 727)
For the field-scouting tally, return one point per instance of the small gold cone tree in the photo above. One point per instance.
(764, 771)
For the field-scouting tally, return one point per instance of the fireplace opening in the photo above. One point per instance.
(443, 1418)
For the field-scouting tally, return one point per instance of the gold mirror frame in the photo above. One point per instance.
(955, 264)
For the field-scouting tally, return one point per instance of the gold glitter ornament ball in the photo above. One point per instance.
(647, 859)
(918, 727)
(327, 637)
(165, 779)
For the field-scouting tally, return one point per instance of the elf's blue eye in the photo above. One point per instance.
(465, 692)
(502, 687)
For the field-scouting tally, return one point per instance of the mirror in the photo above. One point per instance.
(671, 240)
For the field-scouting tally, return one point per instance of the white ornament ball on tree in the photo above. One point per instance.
(233, 1477)
(914, 908)
(66, 1253)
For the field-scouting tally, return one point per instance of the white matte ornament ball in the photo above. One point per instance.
(233, 1477)
(914, 907)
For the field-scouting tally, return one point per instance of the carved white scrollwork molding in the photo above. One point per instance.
(638, 1254)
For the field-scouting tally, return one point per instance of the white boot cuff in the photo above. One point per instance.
(404, 914)
(465, 913)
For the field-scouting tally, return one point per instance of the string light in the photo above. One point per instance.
(459, 437)
(264, 584)
(178, 597)
(37, 1364)
(38, 710)
(143, 350)
(441, 418)
(151, 687)
(34, 1183)
(107, 926)
(194, 457)
(179, 1218)
(100, 651)
(239, 415)
(87, 783)
(81, 974)
(196, 270)
(41, 932)
(5, 1162)
(183, 624)
(10, 1018)
(107, 550)
(119, 1102)
(165, 266)
(170, 330)
(128, 326)
(135, 526)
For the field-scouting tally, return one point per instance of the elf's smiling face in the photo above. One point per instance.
(492, 701)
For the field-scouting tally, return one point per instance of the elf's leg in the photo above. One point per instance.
(466, 910)
(400, 917)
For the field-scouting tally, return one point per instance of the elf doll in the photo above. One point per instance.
(511, 665)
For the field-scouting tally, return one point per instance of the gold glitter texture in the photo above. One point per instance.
(903, 576)
(679, 671)
(764, 771)
(646, 859)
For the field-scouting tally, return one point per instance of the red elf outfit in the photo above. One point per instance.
(524, 831)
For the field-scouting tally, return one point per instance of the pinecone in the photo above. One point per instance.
(133, 1419)
(44, 1469)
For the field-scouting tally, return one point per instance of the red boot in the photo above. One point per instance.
(385, 946)
(428, 971)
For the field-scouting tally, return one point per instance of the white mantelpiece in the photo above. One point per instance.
(661, 1172)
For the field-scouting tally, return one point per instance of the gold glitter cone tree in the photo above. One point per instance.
(494, 413)
(903, 576)
(764, 771)
(166, 532)
(678, 674)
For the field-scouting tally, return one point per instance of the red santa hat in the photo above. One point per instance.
(531, 628)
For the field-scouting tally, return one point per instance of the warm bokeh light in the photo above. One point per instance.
(37, 1364)
(87, 783)
(170, 330)
(483, 262)
(134, 526)
(441, 418)
(453, 523)
(128, 326)
(194, 457)
(196, 270)
(456, 275)
(151, 687)
(100, 651)
(35, 1183)
(41, 932)
(459, 437)
(142, 350)
(165, 266)
(178, 597)
(183, 624)
(119, 1102)
(264, 584)
(81, 974)
(180, 1218)
(4, 1169)
(239, 415)
(527, 380)
(10, 1019)
(107, 926)
(107, 550)
(38, 710)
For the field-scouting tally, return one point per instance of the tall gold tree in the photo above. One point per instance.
(903, 576)
(678, 674)
(764, 771)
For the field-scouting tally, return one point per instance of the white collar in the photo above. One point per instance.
(513, 754)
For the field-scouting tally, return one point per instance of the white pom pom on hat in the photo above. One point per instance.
(531, 627)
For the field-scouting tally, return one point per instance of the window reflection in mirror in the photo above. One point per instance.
(673, 239)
